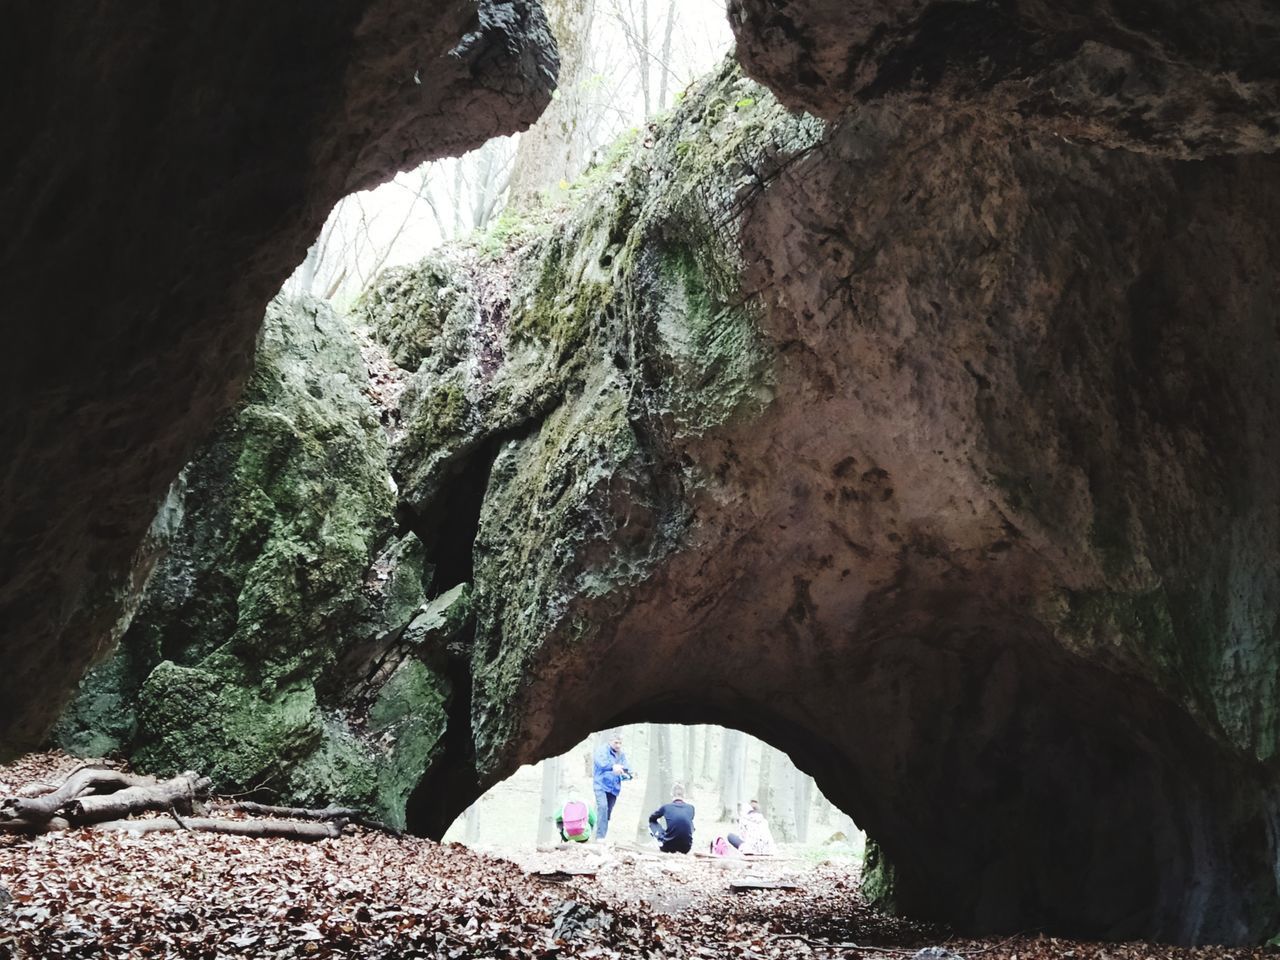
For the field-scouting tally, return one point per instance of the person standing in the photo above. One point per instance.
(611, 768)
(676, 835)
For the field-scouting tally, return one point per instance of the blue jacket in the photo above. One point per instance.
(604, 778)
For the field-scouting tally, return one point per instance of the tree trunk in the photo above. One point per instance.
(781, 807)
(658, 783)
(81, 781)
(178, 792)
(732, 774)
(804, 805)
(550, 805)
(289, 829)
(664, 64)
(709, 736)
(551, 150)
(766, 776)
(688, 771)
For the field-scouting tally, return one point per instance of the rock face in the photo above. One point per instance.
(938, 460)
(942, 461)
(932, 442)
(1175, 78)
(250, 655)
(160, 185)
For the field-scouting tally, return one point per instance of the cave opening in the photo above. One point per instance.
(720, 771)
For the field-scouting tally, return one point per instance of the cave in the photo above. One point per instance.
(906, 398)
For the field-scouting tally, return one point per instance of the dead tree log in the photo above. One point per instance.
(287, 829)
(298, 813)
(82, 781)
(177, 793)
(349, 814)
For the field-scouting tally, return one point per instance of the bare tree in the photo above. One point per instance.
(733, 769)
(659, 778)
(688, 768)
(709, 738)
(780, 804)
(549, 806)
(552, 150)
(804, 805)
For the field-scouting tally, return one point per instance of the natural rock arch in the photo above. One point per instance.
(927, 395)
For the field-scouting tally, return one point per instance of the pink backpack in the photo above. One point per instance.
(720, 847)
(575, 818)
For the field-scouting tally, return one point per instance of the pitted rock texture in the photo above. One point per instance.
(930, 446)
(275, 645)
(167, 168)
(1175, 78)
(942, 461)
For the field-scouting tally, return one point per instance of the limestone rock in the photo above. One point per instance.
(941, 461)
(1176, 78)
(282, 587)
(169, 168)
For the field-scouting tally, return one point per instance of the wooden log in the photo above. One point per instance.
(287, 829)
(330, 813)
(179, 792)
(77, 784)
(32, 827)
(298, 813)
(562, 876)
(752, 883)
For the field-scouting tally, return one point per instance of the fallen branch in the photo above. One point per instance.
(179, 792)
(349, 814)
(297, 813)
(77, 784)
(287, 829)
(52, 825)
(853, 947)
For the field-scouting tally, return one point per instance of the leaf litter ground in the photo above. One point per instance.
(86, 894)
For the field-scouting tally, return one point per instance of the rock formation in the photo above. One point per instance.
(931, 440)
(1176, 78)
(940, 461)
(168, 169)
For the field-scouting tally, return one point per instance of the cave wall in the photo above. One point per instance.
(1175, 78)
(933, 452)
(930, 442)
(167, 167)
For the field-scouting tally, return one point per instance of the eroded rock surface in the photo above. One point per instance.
(166, 170)
(277, 645)
(938, 460)
(1176, 78)
(941, 461)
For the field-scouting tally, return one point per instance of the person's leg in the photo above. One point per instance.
(603, 806)
(735, 840)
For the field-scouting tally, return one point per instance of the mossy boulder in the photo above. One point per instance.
(281, 582)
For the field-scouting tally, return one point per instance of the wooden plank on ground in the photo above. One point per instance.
(743, 884)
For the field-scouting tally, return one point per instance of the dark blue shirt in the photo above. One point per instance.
(678, 816)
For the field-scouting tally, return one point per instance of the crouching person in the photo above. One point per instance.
(575, 821)
(676, 831)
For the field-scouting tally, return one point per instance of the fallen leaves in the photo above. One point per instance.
(369, 894)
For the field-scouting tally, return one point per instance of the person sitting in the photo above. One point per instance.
(753, 834)
(676, 835)
(575, 821)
